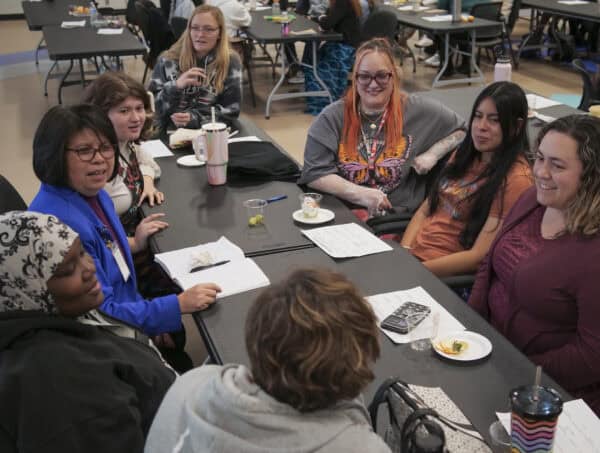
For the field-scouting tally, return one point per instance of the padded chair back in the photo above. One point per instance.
(589, 92)
(178, 25)
(154, 27)
(380, 24)
(488, 11)
(10, 200)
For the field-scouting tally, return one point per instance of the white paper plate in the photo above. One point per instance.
(190, 161)
(324, 215)
(479, 346)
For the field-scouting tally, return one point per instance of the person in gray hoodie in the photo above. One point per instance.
(311, 342)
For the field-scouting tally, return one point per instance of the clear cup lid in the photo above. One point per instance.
(536, 401)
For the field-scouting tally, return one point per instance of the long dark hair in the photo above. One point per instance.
(511, 105)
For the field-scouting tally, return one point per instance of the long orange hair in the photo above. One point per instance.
(393, 123)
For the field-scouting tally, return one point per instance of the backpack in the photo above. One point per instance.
(415, 427)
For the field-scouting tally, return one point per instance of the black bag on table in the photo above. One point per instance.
(415, 427)
(260, 160)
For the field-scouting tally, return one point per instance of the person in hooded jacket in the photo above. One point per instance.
(311, 341)
(72, 379)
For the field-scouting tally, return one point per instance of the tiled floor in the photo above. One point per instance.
(22, 104)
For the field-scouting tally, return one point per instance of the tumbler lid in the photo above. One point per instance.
(536, 401)
(214, 127)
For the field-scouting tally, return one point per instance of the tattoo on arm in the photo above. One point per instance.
(447, 144)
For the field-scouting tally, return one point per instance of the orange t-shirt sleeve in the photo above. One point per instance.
(519, 179)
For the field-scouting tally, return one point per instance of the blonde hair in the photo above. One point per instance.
(183, 49)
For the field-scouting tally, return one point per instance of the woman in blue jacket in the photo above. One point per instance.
(74, 162)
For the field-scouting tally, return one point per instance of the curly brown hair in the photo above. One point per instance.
(112, 88)
(312, 340)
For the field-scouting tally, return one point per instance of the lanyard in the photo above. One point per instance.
(371, 154)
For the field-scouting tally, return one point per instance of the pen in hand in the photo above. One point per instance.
(208, 266)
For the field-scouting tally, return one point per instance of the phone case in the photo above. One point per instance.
(396, 322)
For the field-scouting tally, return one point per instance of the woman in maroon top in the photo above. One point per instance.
(539, 284)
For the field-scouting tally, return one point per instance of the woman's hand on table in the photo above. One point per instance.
(146, 228)
(193, 77)
(198, 297)
(150, 193)
(181, 119)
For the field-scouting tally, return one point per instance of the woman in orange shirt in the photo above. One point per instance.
(452, 230)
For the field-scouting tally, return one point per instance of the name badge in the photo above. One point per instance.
(125, 272)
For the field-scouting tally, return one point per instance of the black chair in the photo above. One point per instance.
(10, 200)
(486, 39)
(590, 95)
(178, 25)
(384, 24)
(156, 32)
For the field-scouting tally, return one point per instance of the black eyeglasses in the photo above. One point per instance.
(381, 78)
(87, 153)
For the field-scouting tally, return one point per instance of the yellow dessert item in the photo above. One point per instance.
(452, 347)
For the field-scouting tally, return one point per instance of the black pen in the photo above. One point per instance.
(208, 266)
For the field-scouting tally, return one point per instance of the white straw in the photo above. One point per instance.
(212, 114)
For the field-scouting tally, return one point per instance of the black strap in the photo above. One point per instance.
(413, 421)
(381, 397)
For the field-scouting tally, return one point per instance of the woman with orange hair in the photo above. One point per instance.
(362, 147)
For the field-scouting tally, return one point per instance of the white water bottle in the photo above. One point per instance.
(502, 70)
(93, 14)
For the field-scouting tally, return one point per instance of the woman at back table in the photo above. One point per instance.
(198, 72)
(74, 162)
(539, 284)
(362, 148)
(452, 230)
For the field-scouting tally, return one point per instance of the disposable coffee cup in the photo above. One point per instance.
(217, 152)
(534, 416)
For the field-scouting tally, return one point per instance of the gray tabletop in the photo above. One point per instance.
(46, 12)
(478, 388)
(85, 42)
(590, 11)
(264, 31)
(198, 212)
(416, 20)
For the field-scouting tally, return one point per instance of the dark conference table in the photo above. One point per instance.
(79, 43)
(479, 388)
(589, 11)
(199, 213)
(447, 28)
(268, 32)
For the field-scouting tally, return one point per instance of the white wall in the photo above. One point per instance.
(10, 7)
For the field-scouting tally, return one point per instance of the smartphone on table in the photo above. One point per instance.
(398, 320)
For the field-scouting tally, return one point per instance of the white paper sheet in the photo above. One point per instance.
(578, 428)
(308, 31)
(249, 138)
(385, 304)
(72, 24)
(536, 102)
(440, 18)
(262, 8)
(572, 2)
(239, 275)
(346, 241)
(412, 8)
(156, 148)
(110, 31)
